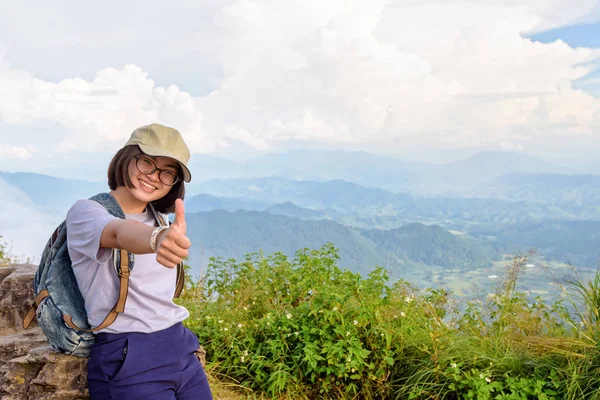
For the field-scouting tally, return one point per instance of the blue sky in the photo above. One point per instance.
(582, 35)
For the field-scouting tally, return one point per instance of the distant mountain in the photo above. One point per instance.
(432, 245)
(370, 170)
(233, 235)
(206, 167)
(206, 202)
(576, 242)
(569, 190)
(552, 212)
(339, 195)
(51, 194)
(566, 198)
(291, 210)
(366, 207)
(487, 165)
(356, 166)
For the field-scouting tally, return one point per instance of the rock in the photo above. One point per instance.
(16, 296)
(35, 371)
(18, 344)
(29, 367)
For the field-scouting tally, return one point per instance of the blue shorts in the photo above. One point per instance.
(151, 366)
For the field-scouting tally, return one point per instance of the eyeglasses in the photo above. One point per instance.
(147, 167)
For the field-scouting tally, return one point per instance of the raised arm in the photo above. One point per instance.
(172, 244)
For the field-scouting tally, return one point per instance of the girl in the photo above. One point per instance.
(146, 353)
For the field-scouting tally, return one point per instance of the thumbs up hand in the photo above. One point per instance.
(180, 216)
(173, 244)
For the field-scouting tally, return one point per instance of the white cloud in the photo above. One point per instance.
(347, 72)
(102, 112)
(14, 152)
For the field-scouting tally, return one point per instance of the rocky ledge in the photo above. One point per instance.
(29, 367)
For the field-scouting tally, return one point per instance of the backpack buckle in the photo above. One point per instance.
(122, 262)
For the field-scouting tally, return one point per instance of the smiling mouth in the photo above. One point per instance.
(147, 186)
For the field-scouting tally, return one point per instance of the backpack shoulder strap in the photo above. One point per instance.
(119, 306)
(112, 206)
(110, 203)
(123, 262)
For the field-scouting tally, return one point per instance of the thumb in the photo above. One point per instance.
(180, 215)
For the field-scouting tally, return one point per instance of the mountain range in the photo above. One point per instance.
(378, 210)
(414, 246)
(379, 171)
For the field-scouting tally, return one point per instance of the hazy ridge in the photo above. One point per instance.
(495, 203)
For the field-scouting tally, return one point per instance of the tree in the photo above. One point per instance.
(5, 257)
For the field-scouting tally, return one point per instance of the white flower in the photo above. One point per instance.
(296, 333)
(240, 325)
(481, 376)
(347, 333)
(453, 365)
(242, 358)
(407, 299)
(355, 322)
(349, 359)
(245, 352)
(334, 309)
(353, 370)
(403, 314)
(288, 315)
(225, 329)
(488, 380)
(245, 308)
(220, 321)
(395, 316)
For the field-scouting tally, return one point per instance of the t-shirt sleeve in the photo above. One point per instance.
(85, 222)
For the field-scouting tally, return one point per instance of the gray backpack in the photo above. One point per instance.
(59, 305)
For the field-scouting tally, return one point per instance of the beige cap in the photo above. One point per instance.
(161, 141)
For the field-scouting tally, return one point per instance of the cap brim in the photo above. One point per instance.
(160, 152)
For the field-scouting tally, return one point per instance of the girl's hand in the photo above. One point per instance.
(173, 244)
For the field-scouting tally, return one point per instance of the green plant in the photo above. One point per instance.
(303, 328)
(483, 385)
(5, 257)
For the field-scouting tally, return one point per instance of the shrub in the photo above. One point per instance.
(304, 328)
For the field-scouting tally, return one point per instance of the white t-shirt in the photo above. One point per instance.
(149, 306)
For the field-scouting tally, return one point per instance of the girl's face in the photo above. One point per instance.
(148, 187)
